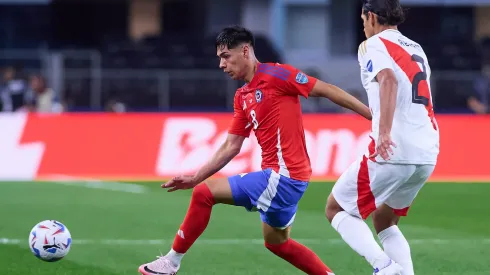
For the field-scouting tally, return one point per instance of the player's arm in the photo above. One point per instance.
(340, 97)
(380, 66)
(228, 150)
(238, 131)
(388, 87)
(299, 83)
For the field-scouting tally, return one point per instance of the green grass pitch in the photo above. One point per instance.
(114, 231)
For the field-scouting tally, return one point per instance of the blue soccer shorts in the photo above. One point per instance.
(274, 196)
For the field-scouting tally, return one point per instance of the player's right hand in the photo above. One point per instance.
(180, 183)
(383, 147)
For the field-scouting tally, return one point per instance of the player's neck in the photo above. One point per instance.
(382, 28)
(251, 71)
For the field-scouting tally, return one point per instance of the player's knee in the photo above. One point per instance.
(275, 241)
(275, 236)
(202, 194)
(383, 223)
(332, 208)
(383, 218)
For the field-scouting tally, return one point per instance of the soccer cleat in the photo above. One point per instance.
(160, 266)
(392, 269)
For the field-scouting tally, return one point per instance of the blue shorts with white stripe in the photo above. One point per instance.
(274, 196)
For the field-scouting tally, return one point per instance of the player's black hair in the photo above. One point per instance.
(234, 36)
(389, 12)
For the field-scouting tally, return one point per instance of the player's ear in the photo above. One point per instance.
(246, 51)
(372, 18)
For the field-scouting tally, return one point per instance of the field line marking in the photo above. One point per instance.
(122, 242)
(98, 184)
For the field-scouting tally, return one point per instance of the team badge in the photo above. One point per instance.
(301, 78)
(258, 96)
(369, 66)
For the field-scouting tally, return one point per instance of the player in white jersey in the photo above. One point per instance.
(405, 143)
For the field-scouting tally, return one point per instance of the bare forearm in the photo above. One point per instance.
(341, 98)
(222, 157)
(387, 97)
(348, 101)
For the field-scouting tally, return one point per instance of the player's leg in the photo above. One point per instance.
(204, 197)
(278, 241)
(357, 234)
(277, 206)
(353, 199)
(387, 216)
(394, 243)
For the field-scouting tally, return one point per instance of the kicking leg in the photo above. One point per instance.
(385, 222)
(356, 233)
(204, 197)
(278, 242)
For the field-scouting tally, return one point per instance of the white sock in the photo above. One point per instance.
(396, 246)
(175, 257)
(359, 237)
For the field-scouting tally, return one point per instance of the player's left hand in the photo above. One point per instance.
(180, 183)
(383, 147)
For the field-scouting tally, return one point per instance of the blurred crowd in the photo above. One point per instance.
(478, 98)
(21, 92)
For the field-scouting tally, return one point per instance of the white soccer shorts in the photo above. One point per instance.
(366, 185)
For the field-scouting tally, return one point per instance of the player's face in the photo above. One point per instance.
(233, 61)
(368, 23)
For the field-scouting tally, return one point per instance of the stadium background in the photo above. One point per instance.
(133, 95)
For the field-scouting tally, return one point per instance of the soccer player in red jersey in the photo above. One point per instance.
(269, 104)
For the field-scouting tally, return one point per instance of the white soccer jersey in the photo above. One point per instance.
(414, 130)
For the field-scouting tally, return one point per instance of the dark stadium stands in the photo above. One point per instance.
(179, 55)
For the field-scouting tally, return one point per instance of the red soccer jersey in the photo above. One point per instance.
(270, 105)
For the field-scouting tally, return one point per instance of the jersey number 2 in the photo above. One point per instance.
(420, 96)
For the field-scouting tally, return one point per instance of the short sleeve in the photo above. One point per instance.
(239, 125)
(361, 52)
(376, 58)
(298, 83)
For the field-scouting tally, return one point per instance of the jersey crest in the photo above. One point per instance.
(258, 96)
(301, 78)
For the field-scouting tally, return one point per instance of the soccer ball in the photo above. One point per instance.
(50, 240)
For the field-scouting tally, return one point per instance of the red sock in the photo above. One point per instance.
(300, 256)
(196, 219)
